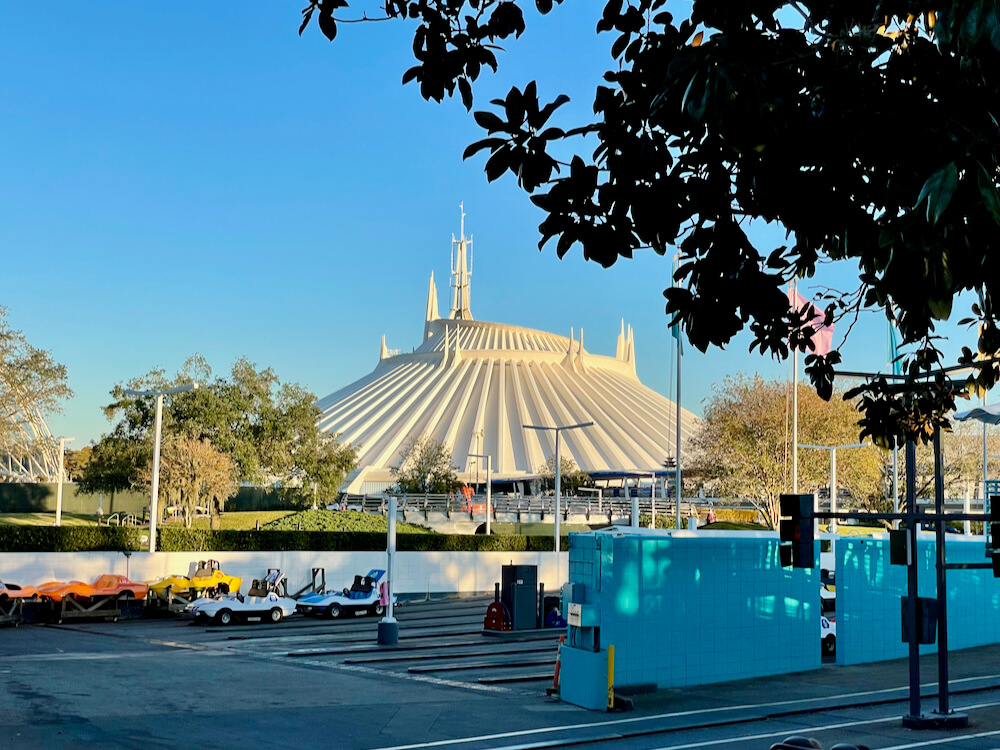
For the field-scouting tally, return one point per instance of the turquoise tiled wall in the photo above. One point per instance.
(696, 609)
(869, 589)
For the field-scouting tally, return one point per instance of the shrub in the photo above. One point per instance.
(342, 520)
(69, 538)
(204, 540)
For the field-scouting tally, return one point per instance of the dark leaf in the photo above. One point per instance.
(938, 190)
(465, 88)
(475, 148)
(328, 26)
(489, 121)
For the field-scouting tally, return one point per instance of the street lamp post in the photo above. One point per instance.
(154, 495)
(833, 473)
(489, 486)
(557, 431)
(62, 471)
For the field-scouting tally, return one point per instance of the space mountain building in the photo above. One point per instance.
(473, 386)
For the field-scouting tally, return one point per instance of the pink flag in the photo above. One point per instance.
(823, 336)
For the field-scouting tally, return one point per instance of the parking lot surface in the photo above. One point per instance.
(165, 683)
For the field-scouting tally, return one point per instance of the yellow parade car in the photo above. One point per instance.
(205, 579)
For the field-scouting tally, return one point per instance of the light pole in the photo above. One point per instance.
(62, 471)
(833, 473)
(557, 431)
(153, 509)
(489, 485)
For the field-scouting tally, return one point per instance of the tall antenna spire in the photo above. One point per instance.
(460, 273)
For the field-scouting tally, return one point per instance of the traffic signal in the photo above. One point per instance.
(795, 529)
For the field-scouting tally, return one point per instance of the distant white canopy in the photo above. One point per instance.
(474, 385)
(989, 414)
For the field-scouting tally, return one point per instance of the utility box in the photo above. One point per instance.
(583, 615)
(519, 594)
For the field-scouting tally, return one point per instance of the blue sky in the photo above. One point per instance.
(192, 180)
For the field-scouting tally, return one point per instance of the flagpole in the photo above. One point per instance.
(677, 418)
(894, 365)
(795, 406)
(677, 424)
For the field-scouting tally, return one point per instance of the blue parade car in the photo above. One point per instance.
(363, 597)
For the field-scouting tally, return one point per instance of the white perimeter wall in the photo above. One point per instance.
(414, 572)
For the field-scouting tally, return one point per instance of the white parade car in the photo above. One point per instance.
(364, 596)
(828, 634)
(264, 601)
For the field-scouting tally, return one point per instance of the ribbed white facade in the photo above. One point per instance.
(474, 386)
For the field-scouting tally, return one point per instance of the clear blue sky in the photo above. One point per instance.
(182, 180)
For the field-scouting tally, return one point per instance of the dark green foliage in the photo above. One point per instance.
(266, 540)
(68, 538)
(865, 130)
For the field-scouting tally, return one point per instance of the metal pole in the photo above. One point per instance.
(795, 422)
(388, 628)
(895, 484)
(833, 489)
(911, 576)
(489, 492)
(942, 588)
(154, 495)
(677, 439)
(652, 503)
(634, 522)
(59, 487)
(558, 480)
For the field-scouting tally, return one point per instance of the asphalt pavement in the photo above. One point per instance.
(315, 682)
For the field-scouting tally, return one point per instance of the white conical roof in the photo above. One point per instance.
(474, 385)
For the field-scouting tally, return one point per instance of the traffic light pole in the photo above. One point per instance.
(944, 717)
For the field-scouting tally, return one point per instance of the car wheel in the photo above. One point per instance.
(276, 614)
(830, 644)
(225, 616)
(127, 595)
(334, 610)
(379, 609)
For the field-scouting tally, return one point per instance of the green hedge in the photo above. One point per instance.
(266, 540)
(69, 538)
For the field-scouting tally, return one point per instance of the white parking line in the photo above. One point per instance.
(943, 740)
(92, 656)
(676, 714)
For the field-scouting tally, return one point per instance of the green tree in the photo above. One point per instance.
(571, 476)
(866, 130)
(425, 466)
(743, 450)
(267, 427)
(75, 461)
(115, 465)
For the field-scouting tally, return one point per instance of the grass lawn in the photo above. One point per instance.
(47, 519)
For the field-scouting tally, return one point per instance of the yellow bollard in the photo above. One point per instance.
(611, 678)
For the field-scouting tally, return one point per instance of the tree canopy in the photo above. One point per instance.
(425, 466)
(865, 130)
(268, 429)
(571, 476)
(743, 450)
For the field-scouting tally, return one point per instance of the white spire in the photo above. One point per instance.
(620, 346)
(460, 273)
(432, 308)
(383, 352)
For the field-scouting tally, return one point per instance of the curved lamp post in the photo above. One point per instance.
(557, 430)
(62, 473)
(153, 509)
